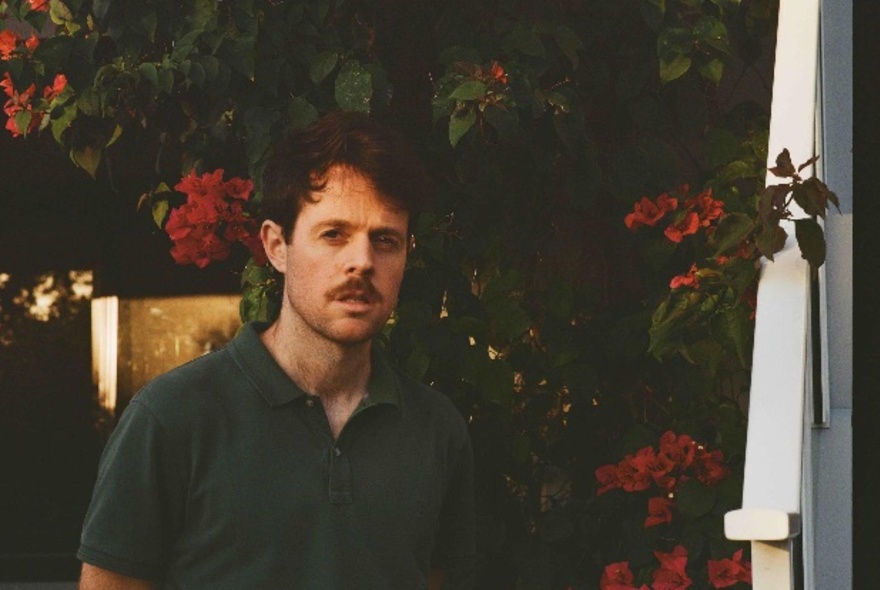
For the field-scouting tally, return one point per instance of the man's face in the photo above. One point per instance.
(344, 261)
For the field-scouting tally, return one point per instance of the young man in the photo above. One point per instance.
(296, 457)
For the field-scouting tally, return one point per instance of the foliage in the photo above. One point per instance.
(569, 326)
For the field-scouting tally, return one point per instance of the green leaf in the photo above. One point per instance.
(354, 87)
(23, 121)
(712, 70)
(712, 32)
(61, 123)
(734, 328)
(469, 90)
(706, 354)
(166, 80)
(59, 12)
(694, 499)
(89, 102)
(569, 43)
(771, 239)
(811, 241)
(160, 210)
(301, 113)
(528, 42)
(731, 231)
(504, 121)
(459, 124)
(321, 66)
(674, 68)
(148, 70)
(87, 158)
(719, 147)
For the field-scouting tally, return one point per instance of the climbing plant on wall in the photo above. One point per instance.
(583, 286)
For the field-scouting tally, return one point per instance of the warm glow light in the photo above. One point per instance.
(105, 348)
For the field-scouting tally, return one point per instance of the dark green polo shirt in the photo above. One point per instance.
(223, 474)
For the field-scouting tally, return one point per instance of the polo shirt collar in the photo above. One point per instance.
(278, 389)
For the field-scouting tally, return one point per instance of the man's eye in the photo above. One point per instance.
(331, 234)
(388, 242)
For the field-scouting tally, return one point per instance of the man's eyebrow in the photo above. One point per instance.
(382, 230)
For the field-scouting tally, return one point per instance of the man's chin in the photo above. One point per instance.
(353, 333)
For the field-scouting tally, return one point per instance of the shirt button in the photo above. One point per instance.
(336, 451)
(310, 402)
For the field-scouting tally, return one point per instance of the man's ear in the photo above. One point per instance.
(275, 245)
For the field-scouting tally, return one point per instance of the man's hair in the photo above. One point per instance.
(301, 160)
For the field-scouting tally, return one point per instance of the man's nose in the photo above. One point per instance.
(359, 256)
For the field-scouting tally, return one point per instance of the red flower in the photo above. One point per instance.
(212, 219)
(647, 212)
(690, 279)
(633, 471)
(617, 576)
(710, 467)
(57, 87)
(681, 449)
(39, 5)
(659, 511)
(688, 225)
(608, 476)
(239, 188)
(710, 209)
(497, 72)
(727, 572)
(32, 42)
(7, 85)
(18, 102)
(8, 42)
(672, 574)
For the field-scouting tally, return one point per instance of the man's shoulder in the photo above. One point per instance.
(430, 404)
(190, 386)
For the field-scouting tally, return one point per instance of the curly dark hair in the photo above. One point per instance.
(300, 162)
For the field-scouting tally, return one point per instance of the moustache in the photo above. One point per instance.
(355, 287)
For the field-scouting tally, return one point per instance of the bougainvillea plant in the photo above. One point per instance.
(569, 326)
(211, 221)
(708, 301)
(679, 487)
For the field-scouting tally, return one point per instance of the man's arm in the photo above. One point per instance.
(95, 578)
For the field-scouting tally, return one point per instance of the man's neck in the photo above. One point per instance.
(335, 372)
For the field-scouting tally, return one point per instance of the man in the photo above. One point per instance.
(296, 457)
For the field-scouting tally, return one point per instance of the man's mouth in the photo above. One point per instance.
(356, 292)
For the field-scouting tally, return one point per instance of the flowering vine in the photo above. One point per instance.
(211, 220)
(679, 478)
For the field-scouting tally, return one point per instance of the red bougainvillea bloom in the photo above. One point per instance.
(689, 279)
(710, 467)
(608, 478)
(681, 449)
(617, 576)
(672, 574)
(633, 470)
(57, 87)
(727, 572)
(8, 42)
(709, 208)
(39, 5)
(212, 219)
(659, 511)
(497, 72)
(32, 42)
(18, 102)
(648, 212)
(688, 225)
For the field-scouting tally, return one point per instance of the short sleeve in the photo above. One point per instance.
(455, 547)
(129, 525)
